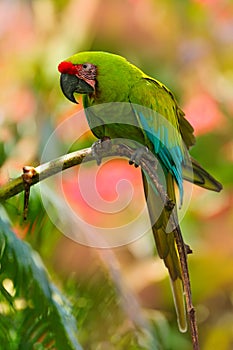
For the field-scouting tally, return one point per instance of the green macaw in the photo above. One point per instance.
(146, 112)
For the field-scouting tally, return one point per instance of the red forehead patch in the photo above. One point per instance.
(67, 68)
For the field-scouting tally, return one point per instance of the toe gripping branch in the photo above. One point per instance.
(100, 147)
(136, 157)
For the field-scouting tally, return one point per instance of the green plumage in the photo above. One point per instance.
(149, 115)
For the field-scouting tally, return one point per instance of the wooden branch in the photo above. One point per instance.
(43, 171)
(148, 164)
(13, 187)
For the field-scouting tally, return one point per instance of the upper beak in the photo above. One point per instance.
(71, 84)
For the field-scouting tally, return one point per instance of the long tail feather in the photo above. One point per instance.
(199, 176)
(166, 246)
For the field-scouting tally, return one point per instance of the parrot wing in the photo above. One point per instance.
(170, 133)
(156, 111)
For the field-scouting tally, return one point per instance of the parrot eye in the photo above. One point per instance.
(87, 66)
(88, 71)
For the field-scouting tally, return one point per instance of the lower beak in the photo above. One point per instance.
(71, 84)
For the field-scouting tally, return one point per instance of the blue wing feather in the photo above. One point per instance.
(171, 156)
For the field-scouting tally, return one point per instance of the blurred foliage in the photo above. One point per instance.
(189, 46)
(34, 314)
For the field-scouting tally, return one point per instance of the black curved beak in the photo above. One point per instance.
(71, 84)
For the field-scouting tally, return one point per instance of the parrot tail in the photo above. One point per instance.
(199, 176)
(166, 245)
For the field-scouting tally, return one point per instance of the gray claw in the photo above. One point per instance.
(99, 147)
(135, 159)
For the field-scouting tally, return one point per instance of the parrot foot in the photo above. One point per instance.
(99, 147)
(136, 157)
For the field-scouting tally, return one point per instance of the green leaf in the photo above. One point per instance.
(34, 314)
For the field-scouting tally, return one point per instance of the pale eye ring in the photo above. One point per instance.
(86, 66)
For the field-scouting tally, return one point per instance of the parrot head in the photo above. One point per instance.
(105, 76)
(77, 78)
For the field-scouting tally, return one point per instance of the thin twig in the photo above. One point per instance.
(29, 173)
(187, 287)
